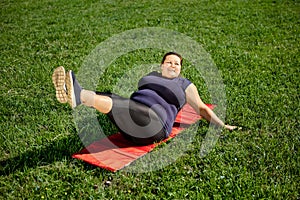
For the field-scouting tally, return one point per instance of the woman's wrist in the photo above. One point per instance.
(220, 125)
(223, 125)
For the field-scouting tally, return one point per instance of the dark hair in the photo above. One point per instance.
(172, 53)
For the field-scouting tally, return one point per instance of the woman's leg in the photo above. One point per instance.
(77, 95)
(137, 122)
(102, 103)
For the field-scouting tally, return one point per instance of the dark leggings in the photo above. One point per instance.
(137, 122)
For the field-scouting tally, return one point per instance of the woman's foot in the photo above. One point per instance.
(73, 90)
(58, 79)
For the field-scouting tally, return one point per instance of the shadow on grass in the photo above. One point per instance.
(51, 152)
(57, 150)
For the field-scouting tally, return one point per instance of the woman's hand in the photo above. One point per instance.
(195, 101)
(231, 128)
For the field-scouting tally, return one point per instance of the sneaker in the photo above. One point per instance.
(58, 79)
(73, 90)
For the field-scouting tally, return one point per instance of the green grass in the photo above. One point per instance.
(255, 44)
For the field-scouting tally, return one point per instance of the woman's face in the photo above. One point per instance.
(171, 66)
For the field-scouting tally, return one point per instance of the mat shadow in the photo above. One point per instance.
(43, 155)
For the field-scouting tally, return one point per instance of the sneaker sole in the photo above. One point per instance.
(58, 79)
(70, 96)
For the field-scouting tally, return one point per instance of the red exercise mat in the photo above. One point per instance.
(115, 152)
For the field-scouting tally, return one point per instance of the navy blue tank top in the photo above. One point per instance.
(164, 95)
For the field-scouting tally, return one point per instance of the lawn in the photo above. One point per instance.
(255, 47)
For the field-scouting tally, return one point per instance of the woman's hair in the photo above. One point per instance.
(172, 53)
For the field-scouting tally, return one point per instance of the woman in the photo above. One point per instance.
(148, 115)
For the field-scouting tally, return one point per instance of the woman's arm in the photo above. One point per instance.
(193, 98)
